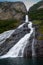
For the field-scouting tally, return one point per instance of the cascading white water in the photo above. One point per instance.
(33, 44)
(18, 49)
(33, 49)
(26, 21)
(5, 35)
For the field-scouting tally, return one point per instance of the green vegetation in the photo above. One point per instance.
(8, 25)
(39, 23)
(36, 15)
(40, 37)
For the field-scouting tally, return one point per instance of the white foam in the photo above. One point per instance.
(5, 35)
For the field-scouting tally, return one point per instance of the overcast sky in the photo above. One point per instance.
(28, 3)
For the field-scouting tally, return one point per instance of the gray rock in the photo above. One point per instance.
(38, 42)
(28, 48)
(13, 39)
(12, 10)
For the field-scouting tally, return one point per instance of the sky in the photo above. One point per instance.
(28, 3)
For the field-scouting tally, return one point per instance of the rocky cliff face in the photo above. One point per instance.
(38, 41)
(12, 10)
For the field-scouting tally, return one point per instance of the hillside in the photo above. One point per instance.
(9, 10)
(36, 15)
(12, 14)
(36, 11)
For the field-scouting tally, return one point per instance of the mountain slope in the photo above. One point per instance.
(36, 15)
(36, 11)
(12, 14)
(9, 10)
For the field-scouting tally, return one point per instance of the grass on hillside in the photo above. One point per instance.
(8, 25)
(36, 15)
(40, 29)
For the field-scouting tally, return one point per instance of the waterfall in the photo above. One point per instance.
(26, 21)
(5, 35)
(33, 44)
(18, 49)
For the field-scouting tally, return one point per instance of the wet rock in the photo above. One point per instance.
(28, 48)
(38, 42)
(13, 39)
(39, 48)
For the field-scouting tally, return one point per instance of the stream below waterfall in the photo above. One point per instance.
(21, 61)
